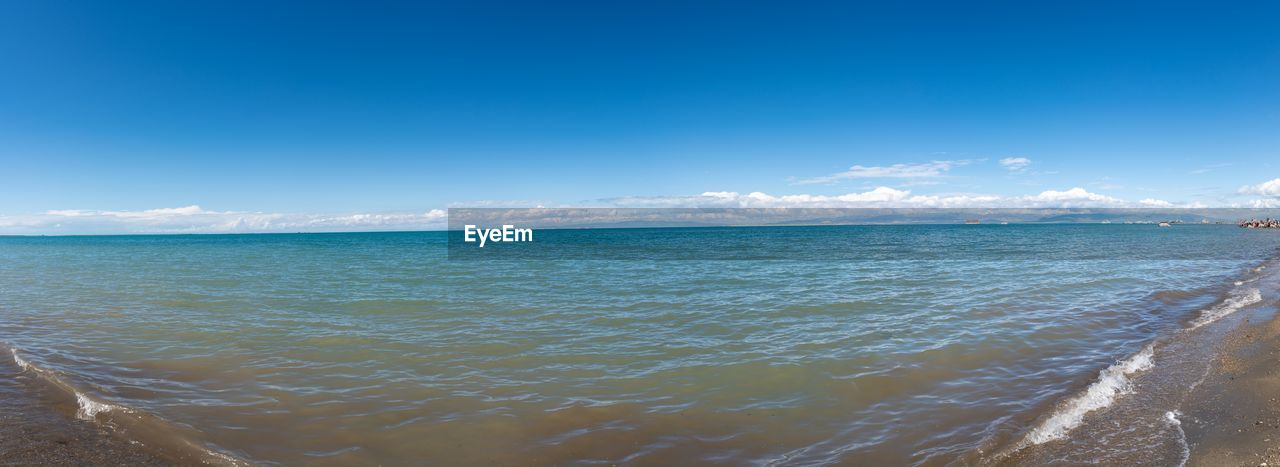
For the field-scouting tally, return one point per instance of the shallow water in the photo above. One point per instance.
(378, 348)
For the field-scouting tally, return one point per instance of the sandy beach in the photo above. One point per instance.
(1235, 416)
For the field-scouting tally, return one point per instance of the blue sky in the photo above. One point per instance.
(328, 110)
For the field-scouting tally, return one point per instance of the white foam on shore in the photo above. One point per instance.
(21, 363)
(1112, 381)
(88, 407)
(1115, 379)
(1172, 417)
(1230, 305)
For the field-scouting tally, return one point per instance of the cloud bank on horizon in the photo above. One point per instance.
(195, 219)
(887, 197)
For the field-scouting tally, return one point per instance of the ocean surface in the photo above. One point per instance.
(855, 345)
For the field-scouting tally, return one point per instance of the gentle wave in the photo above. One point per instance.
(89, 409)
(1115, 379)
(1112, 381)
(21, 363)
(1172, 418)
(1228, 306)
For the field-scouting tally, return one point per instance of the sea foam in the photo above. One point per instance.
(1172, 418)
(21, 363)
(1112, 381)
(1228, 306)
(88, 407)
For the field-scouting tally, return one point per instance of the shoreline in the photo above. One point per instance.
(1184, 399)
(1190, 318)
(1231, 417)
(38, 427)
(1235, 416)
(82, 418)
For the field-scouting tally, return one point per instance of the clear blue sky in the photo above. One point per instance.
(367, 107)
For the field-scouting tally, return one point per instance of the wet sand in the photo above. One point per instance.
(1235, 416)
(38, 427)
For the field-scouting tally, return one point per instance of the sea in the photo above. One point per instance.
(798, 345)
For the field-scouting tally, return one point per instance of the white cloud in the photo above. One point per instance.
(1015, 164)
(924, 170)
(1270, 189)
(194, 219)
(886, 197)
(1263, 203)
(1075, 197)
(147, 214)
(1155, 203)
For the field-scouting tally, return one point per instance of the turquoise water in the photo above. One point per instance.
(871, 344)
